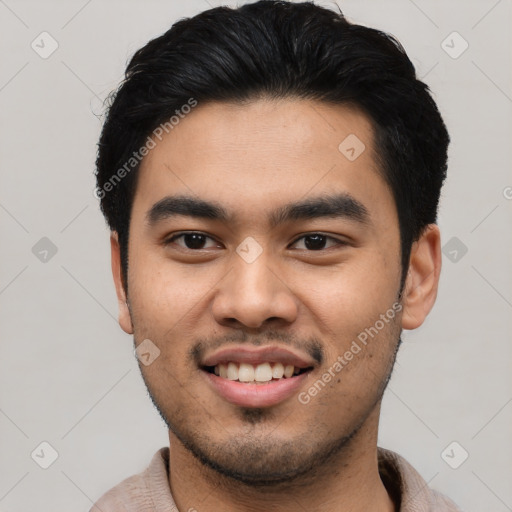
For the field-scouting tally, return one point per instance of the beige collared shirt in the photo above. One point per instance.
(149, 491)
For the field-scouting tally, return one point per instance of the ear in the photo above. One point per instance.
(420, 289)
(125, 320)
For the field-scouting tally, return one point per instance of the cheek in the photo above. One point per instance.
(355, 293)
(162, 286)
(347, 305)
(170, 303)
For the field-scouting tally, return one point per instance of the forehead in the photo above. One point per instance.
(262, 153)
(267, 128)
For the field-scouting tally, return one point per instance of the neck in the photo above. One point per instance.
(349, 481)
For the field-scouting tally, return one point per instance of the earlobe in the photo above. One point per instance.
(422, 278)
(125, 320)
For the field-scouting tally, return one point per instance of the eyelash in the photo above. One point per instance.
(180, 235)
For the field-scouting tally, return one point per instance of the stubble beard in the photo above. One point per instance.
(259, 459)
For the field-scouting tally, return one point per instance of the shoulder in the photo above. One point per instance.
(137, 493)
(408, 487)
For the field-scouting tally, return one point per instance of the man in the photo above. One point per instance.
(271, 176)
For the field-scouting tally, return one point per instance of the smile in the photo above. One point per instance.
(256, 376)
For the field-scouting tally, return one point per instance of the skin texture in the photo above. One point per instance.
(252, 159)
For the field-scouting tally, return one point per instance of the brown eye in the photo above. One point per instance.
(316, 242)
(192, 241)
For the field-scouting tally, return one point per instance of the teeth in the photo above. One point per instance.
(288, 370)
(263, 372)
(278, 371)
(246, 373)
(232, 371)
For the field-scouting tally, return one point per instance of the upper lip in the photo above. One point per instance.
(258, 355)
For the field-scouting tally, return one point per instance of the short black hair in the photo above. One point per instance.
(276, 49)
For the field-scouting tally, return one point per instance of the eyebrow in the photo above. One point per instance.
(337, 206)
(334, 206)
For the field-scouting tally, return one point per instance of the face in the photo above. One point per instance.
(258, 243)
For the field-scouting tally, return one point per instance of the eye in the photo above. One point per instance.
(317, 242)
(192, 240)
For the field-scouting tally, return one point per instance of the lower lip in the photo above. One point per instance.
(256, 395)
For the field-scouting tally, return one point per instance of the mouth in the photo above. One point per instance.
(262, 373)
(260, 377)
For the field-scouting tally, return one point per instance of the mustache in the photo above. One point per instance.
(311, 345)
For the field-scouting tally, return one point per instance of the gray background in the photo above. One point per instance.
(67, 372)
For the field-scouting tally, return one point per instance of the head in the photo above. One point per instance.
(271, 176)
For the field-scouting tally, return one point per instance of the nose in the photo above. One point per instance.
(253, 294)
